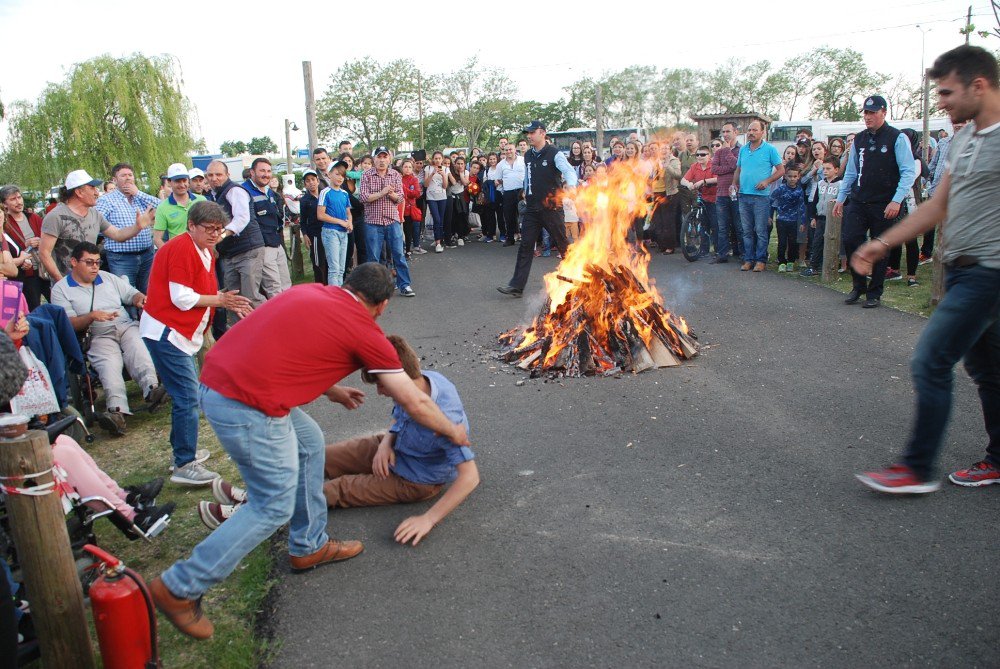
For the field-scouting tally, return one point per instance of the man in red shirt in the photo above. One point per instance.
(700, 178)
(252, 402)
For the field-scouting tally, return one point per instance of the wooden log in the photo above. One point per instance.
(662, 355)
(38, 526)
(831, 245)
(526, 362)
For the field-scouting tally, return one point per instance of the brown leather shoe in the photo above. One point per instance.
(745, 267)
(759, 267)
(333, 551)
(185, 614)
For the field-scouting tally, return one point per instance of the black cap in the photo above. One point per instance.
(804, 142)
(381, 149)
(534, 125)
(875, 103)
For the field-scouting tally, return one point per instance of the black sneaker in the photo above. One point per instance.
(808, 271)
(872, 303)
(508, 290)
(718, 260)
(853, 297)
(143, 495)
(154, 520)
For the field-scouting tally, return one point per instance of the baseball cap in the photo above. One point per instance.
(312, 172)
(804, 142)
(381, 149)
(534, 125)
(78, 178)
(195, 173)
(177, 171)
(343, 163)
(875, 103)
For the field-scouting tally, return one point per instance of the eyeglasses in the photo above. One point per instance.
(701, 155)
(211, 229)
(90, 263)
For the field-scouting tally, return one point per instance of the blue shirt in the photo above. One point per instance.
(756, 165)
(121, 214)
(421, 455)
(337, 202)
(790, 203)
(904, 160)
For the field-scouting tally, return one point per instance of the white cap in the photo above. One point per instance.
(195, 172)
(78, 178)
(177, 171)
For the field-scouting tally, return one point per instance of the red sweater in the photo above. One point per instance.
(178, 261)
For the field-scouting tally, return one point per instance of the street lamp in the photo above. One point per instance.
(289, 127)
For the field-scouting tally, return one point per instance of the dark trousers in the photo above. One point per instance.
(456, 218)
(498, 208)
(666, 223)
(356, 240)
(818, 244)
(220, 320)
(927, 246)
(35, 287)
(788, 232)
(965, 326)
(510, 200)
(532, 224)
(863, 220)
(730, 232)
(317, 256)
(912, 257)
(488, 216)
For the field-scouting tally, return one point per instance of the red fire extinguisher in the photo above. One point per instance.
(123, 615)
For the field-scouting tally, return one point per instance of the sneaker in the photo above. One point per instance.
(153, 520)
(892, 274)
(897, 479)
(406, 291)
(193, 473)
(546, 254)
(419, 250)
(143, 495)
(438, 248)
(200, 456)
(213, 514)
(808, 271)
(226, 493)
(113, 421)
(841, 270)
(452, 244)
(503, 238)
(155, 397)
(910, 283)
(980, 474)
(924, 259)
(781, 268)
(718, 261)
(487, 240)
(460, 241)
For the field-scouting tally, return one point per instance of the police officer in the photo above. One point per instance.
(269, 209)
(880, 172)
(545, 168)
(242, 245)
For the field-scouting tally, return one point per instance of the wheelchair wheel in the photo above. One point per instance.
(691, 235)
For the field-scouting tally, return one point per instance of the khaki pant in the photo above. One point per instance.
(352, 483)
(116, 346)
(274, 272)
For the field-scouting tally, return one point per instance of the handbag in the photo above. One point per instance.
(36, 397)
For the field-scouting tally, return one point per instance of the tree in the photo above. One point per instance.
(105, 111)
(232, 148)
(476, 99)
(905, 98)
(802, 74)
(261, 145)
(844, 80)
(371, 102)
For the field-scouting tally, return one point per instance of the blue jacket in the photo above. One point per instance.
(790, 203)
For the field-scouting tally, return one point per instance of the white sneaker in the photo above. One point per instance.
(461, 242)
(200, 456)
(194, 474)
(438, 248)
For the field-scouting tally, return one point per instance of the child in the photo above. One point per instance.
(412, 214)
(409, 463)
(826, 192)
(335, 212)
(789, 202)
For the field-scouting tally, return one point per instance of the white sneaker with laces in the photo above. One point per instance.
(438, 248)
(193, 474)
(200, 456)
(461, 242)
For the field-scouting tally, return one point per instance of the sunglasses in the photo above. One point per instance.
(90, 263)
(701, 155)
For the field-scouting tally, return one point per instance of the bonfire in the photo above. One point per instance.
(602, 313)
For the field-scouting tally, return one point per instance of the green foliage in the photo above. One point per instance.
(370, 102)
(261, 145)
(105, 111)
(232, 148)
(845, 79)
(476, 98)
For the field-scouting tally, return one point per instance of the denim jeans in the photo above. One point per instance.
(755, 210)
(438, 208)
(711, 226)
(377, 236)
(179, 377)
(335, 247)
(134, 266)
(965, 326)
(728, 214)
(281, 461)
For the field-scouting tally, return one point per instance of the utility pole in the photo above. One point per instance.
(968, 22)
(420, 108)
(307, 78)
(288, 147)
(599, 125)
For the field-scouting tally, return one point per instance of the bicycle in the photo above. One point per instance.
(694, 231)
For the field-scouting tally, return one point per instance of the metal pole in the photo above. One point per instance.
(420, 108)
(599, 122)
(307, 79)
(288, 147)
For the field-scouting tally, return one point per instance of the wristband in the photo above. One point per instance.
(883, 242)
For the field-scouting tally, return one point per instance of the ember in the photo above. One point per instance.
(603, 314)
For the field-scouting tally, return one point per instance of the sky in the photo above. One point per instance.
(221, 65)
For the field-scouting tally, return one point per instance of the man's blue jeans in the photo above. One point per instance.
(754, 212)
(134, 266)
(375, 239)
(727, 212)
(966, 325)
(281, 461)
(180, 378)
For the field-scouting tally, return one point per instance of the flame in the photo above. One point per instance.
(580, 304)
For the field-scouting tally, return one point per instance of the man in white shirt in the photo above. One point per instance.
(510, 179)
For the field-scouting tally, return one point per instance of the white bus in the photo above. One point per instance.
(782, 133)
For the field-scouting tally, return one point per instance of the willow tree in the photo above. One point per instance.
(107, 110)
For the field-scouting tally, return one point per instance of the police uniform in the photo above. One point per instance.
(268, 209)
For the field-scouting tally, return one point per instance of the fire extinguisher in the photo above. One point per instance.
(123, 615)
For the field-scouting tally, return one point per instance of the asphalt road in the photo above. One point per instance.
(700, 516)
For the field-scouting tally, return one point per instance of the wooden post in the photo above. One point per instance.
(937, 269)
(38, 526)
(307, 79)
(831, 245)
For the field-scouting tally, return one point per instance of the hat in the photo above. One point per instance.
(343, 163)
(78, 178)
(310, 172)
(804, 142)
(195, 173)
(381, 149)
(875, 103)
(534, 125)
(177, 171)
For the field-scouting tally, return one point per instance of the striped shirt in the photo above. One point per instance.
(121, 214)
(382, 211)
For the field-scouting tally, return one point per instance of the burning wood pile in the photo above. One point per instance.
(602, 314)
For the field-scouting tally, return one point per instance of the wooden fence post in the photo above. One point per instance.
(831, 245)
(38, 527)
